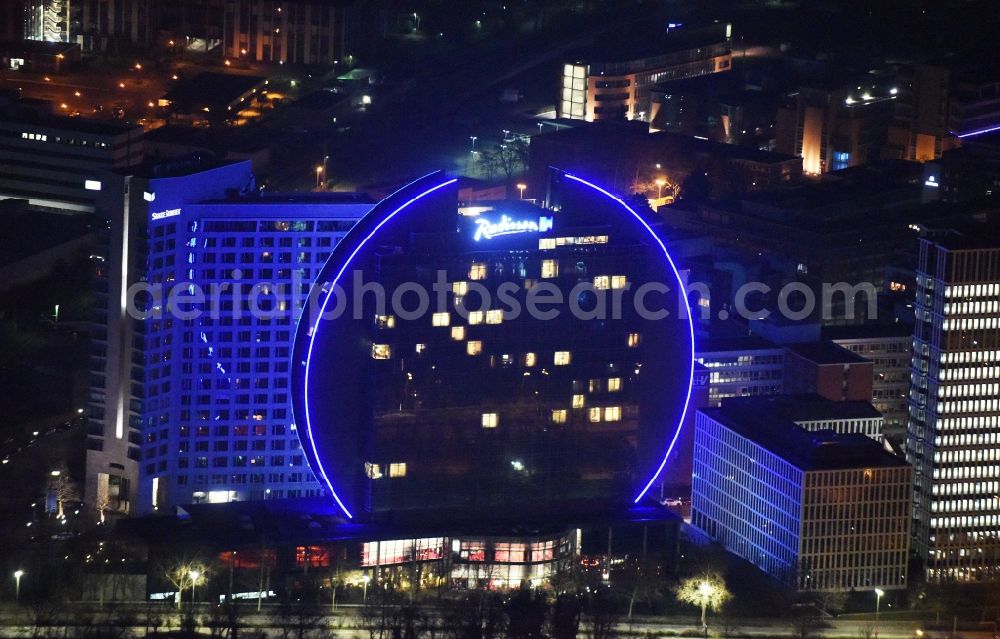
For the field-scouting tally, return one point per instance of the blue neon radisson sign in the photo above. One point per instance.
(488, 229)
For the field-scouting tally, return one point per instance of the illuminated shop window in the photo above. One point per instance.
(476, 317)
(458, 333)
(547, 243)
(578, 401)
(385, 321)
(594, 414)
(474, 347)
(559, 416)
(381, 351)
(562, 358)
(477, 271)
(550, 268)
(530, 359)
(634, 339)
(614, 384)
(494, 316)
(612, 413)
(491, 420)
(397, 470)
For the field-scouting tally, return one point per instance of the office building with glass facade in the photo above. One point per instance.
(818, 511)
(953, 438)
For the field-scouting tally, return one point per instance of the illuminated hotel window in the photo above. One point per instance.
(613, 413)
(372, 471)
(475, 317)
(594, 414)
(618, 281)
(458, 333)
(562, 358)
(460, 288)
(602, 282)
(530, 359)
(547, 243)
(477, 271)
(633, 340)
(491, 420)
(550, 268)
(578, 401)
(420, 348)
(494, 316)
(397, 470)
(441, 319)
(559, 416)
(614, 384)
(385, 321)
(474, 347)
(381, 351)
(595, 386)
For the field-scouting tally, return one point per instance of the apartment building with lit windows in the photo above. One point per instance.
(616, 90)
(197, 409)
(953, 438)
(818, 511)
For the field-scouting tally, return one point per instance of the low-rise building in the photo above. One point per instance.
(741, 367)
(56, 161)
(828, 370)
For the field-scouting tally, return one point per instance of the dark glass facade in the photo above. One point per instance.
(482, 409)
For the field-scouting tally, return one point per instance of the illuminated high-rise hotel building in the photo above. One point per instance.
(484, 406)
(953, 437)
(187, 408)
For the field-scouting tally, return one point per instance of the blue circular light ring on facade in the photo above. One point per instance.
(338, 264)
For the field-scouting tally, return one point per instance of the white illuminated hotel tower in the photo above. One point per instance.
(953, 438)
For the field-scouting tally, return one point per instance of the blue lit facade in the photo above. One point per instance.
(816, 511)
(197, 409)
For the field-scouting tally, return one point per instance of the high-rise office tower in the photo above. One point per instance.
(953, 436)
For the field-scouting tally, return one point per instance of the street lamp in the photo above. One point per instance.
(659, 188)
(521, 187)
(194, 575)
(878, 601)
(364, 597)
(473, 138)
(17, 584)
(319, 176)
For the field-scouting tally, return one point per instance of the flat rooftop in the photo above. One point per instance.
(31, 117)
(806, 450)
(210, 89)
(800, 408)
(870, 330)
(727, 344)
(825, 352)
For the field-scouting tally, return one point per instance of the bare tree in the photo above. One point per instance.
(63, 489)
